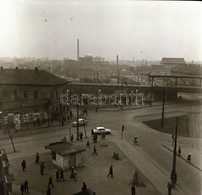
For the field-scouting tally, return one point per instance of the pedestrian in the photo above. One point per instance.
(189, 157)
(95, 138)
(57, 174)
(62, 175)
(72, 138)
(26, 186)
(169, 186)
(110, 171)
(133, 190)
(23, 165)
(48, 191)
(88, 144)
(103, 136)
(50, 182)
(37, 158)
(64, 139)
(42, 167)
(73, 174)
(179, 151)
(94, 150)
(173, 139)
(84, 187)
(71, 114)
(81, 136)
(22, 188)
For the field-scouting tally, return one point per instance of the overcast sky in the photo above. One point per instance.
(130, 29)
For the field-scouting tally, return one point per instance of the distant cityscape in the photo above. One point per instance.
(90, 69)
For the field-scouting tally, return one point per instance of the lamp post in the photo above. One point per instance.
(173, 175)
(136, 97)
(77, 121)
(163, 104)
(98, 98)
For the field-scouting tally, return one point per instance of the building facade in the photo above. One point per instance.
(27, 95)
(170, 63)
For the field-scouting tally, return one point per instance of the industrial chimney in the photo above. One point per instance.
(77, 49)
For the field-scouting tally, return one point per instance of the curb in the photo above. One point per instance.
(183, 158)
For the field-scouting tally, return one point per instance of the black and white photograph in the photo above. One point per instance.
(100, 97)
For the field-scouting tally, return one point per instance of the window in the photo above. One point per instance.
(25, 94)
(15, 93)
(35, 94)
(56, 93)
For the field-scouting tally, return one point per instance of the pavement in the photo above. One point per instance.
(93, 172)
(132, 158)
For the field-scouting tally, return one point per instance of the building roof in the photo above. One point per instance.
(64, 148)
(173, 61)
(189, 69)
(29, 77)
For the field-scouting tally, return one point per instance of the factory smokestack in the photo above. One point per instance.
(117, 63)
(77, 49)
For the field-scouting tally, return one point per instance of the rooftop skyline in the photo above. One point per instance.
(131, 29)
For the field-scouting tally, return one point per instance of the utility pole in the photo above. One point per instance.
(117, 63)
(173, 175)
(77, 122)
(163, 104)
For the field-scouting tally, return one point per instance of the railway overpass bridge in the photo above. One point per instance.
(150, 91)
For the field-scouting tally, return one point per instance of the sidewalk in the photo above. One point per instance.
(185, 150)
(156, 176)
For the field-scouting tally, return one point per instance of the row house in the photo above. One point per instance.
(31, 91)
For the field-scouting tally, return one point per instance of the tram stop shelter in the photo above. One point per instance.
(66, 155)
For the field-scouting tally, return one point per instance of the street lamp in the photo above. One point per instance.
(173, 175)
(136, 97)
(77, 121)
(163, 104)
(98, 98)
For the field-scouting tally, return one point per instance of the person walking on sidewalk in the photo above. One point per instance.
(133, 190)
(57, 174)
(179, 151)
(94, 150)
(73, 174)
(23, 165)
(84, 187)
(88, 144)
(81, 136)
(62, 175)
(110, 171)
(26, 186)
(48, 191)
(37, 158)
(72, 138)
(169, 186)
(42, 167)
(22, 188)
(50, 182)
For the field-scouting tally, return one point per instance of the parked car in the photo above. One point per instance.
(81, 122)
(100, 131)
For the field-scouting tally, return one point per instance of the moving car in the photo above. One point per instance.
(100, 131)
(81, 122)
